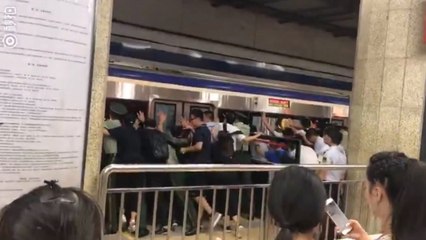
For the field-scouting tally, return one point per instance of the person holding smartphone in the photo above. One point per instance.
(396, 195)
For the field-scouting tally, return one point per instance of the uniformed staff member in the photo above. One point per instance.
(116, 112)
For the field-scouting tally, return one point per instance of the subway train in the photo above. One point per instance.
(150, 77)
(176, 95)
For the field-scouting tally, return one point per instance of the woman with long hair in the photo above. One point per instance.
(396, 195)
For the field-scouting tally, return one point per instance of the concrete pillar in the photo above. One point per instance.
(97, 101)
(387, 102)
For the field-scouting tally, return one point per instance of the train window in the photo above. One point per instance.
(132, 106)
(170, 110)
(257, 122)
(337, 122)
(202, 108)
(188, 106)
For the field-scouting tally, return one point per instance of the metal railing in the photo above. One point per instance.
(255, 219)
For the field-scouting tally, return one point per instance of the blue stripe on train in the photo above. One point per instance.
(221, 66)
(204, 83)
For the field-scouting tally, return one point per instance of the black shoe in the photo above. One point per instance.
(191, 232)
(161, 231)
(143, 233)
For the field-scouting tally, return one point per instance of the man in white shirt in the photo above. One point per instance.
(238, 137)
(307, 155)
(335, 155)
(320, 146)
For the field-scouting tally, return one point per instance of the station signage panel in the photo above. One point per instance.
(281, 103)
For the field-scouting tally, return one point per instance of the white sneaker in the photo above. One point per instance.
(238, 231)
(132, 226)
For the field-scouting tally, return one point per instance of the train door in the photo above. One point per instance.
(187, 107)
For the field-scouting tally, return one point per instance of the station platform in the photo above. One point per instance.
(254, 233)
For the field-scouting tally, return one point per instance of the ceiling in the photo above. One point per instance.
(339, 17)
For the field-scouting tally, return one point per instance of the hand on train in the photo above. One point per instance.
(162, 117)
(141, 116)
(357, 232)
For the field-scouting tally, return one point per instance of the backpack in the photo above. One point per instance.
(159, 147)
(225, 142)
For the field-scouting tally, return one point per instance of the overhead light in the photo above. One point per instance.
(278, 68)
(136, 46)
(260, 64)
(232, 62)
(195, 54)
(214, 97)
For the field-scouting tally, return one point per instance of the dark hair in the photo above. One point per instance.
(209, 114)
(151, 123)
(230, 117)
(197, 113)
(51, 213)
(311, 132)
(129, 120)
(334, 133)
(404, 182)
(278, 122)
(305, 122)
(296, 201)
(409, 213)
(287, 132)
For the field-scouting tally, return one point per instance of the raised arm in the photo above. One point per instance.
(162, 117)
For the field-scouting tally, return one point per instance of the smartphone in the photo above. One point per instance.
(338, 217)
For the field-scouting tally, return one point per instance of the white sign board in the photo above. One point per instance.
(45, 72)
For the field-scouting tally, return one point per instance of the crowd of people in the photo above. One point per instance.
(198, 140)
(296, 199)
(203, 139)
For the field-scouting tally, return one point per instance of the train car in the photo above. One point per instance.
(154, 78)
(177, 95)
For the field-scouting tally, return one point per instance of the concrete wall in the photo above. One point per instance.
(233, 26)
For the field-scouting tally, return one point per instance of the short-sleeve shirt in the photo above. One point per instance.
(245, 129)
(336, 155)
(307, 156)
(128, 144)
(202, 134)
(320, 146)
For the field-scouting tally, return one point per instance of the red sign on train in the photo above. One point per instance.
(273, 102)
